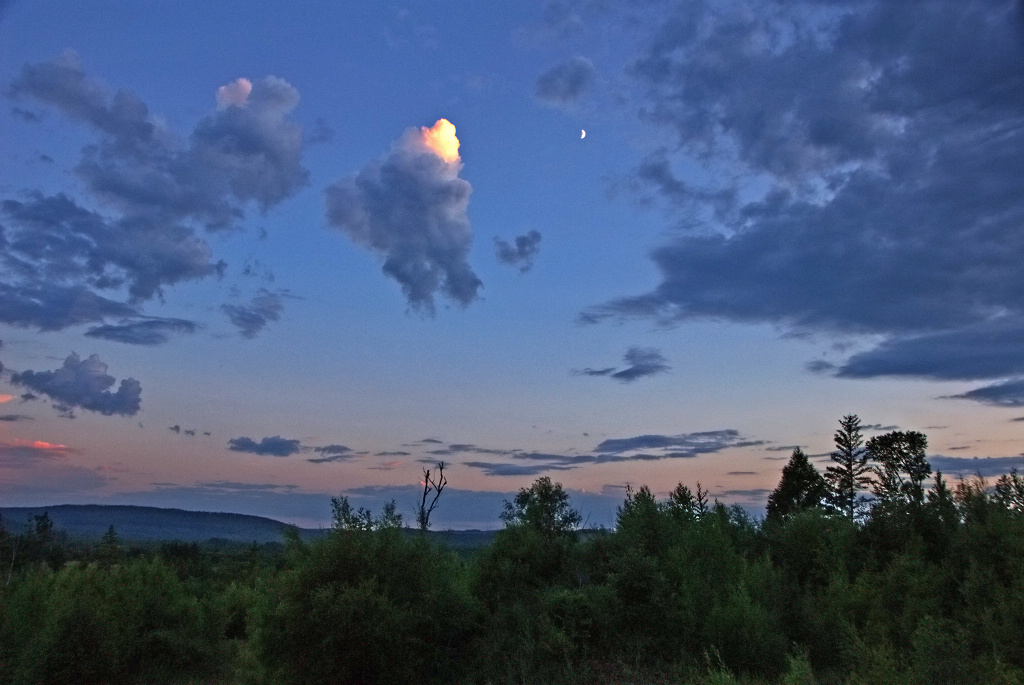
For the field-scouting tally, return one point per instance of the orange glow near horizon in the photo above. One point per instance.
(6, 398)
(35, 444)
(441, 139)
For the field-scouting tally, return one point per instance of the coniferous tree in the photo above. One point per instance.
(850, 474)
(801, 487)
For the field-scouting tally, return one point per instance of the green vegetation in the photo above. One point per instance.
(917, 583)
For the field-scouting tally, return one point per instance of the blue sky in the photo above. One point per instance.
(236, 277)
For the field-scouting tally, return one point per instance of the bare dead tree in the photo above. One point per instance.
(432, 483)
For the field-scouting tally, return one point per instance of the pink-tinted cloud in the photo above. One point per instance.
(235, 93)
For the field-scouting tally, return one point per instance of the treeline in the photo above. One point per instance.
(875, 571)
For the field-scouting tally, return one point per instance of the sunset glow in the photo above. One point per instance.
(441, 139)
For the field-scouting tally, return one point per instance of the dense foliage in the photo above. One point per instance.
(896, 579)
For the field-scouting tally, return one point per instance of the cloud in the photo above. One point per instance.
(52, 307)
(504, 469)
(691, 444)
(156, 189)
(84, 384)
(1008, 393)
(641, 362)
(638, 448)
(329, 453)
(565, 83)
(23, 453)
(522, 253)
(409, 207)
(15, 417)
(250, 319)
(176, 428)
(148, 331)
(275, 446)
(970, 466)
(850, 168)
(235, 93)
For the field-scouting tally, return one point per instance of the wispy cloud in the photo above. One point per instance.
(640, 362)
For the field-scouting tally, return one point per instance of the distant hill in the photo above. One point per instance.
(135, 523)
(88, 521)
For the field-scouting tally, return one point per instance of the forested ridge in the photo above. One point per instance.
(874, 571)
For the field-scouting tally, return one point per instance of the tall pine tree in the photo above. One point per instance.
(850, 473)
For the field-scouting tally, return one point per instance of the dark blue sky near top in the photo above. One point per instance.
(232, 223)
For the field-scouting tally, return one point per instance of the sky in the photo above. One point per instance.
(254, 257)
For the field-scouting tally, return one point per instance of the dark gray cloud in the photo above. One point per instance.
(274, 446)
(147, 331)
(522, 253)
(247, 151)
(691, 444)
(971, 466)
(15, 417)
(250, 319)
(565, 83)
(504, 469)
(175, 428)
(156, 189)
(409, 207)
(1008, 393)
(84, 384)
(638, 448)
(640, 362)
(986, 350)
(52, 307)
(875, 174)
(329, 453)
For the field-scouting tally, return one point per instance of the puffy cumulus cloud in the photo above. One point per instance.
(861, 170)
(235, 93)
(147, 331)
(157, 188)
(565, 83)
(640, 362)
(274, 446)
(250, 319)
(84, 384)
(521, 252)
(410, 208)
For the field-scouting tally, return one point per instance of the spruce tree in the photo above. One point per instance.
(850, 473)
(801, 487)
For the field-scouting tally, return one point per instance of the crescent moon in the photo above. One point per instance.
(583, 134)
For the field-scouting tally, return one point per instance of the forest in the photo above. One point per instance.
(874, 570)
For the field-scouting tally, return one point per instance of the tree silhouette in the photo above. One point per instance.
(901, 466)
(850, 474)
(431, 484)
(801, 487)
(544, 506)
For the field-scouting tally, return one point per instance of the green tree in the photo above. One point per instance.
(346, 518)
(801, 487)
(901, 466)
(850, 473)
(544, 506)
